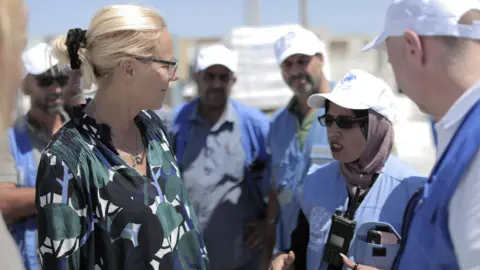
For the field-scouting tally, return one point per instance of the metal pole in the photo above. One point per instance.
(246, 14)
(251, 12)
(303, 7)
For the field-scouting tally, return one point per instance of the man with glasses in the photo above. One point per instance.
(27, 139)
(220, 148)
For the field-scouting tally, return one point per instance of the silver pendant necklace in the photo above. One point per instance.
(136, 159)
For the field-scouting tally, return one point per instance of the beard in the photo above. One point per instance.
(49, 103)
(305, 89)
(215, 97)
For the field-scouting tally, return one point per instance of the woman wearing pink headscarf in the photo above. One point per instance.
(354, 206)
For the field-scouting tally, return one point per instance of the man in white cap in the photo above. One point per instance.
(220, 145)
(27, 139)
(433, 47)
(303, 62)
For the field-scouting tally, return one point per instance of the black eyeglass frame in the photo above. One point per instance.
(172, 63)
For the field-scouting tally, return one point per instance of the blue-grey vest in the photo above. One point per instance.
(427, 242)
(325, 191)
(290, 166)
(24, 231)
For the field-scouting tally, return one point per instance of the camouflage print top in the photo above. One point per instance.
(96, 212)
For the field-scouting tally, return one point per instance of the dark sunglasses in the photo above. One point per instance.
(45, 81)
(344, 122)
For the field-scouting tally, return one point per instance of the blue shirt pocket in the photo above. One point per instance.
(380, 256)
(376, 255)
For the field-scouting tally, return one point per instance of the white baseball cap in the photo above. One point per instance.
(428, 18)
(298, 41)
(359, 90)
(38, 59)
(217, 54)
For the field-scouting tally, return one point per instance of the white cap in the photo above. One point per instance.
(359, 90)
(216, 55)
(428, 18)
(298, 41)
(38, 59)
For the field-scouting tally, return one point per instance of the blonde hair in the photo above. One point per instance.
(12, 43)
(115, 33)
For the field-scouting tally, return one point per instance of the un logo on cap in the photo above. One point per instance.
(286, 41)
(350, 77)
(345, 82)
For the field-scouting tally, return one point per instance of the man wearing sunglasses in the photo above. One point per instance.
(27, 139)
(296, 140)
(221, 152)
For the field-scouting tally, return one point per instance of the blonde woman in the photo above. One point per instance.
(109, 193)
(12, 41)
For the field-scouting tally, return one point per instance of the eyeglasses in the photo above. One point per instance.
(170, 65)
(343, 122)
(47, 80)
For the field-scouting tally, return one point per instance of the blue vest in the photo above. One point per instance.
(427, 243)
(325, 191)
(254, 127)
(290, 165)
(24, 231)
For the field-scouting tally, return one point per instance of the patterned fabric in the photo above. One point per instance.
(97, 212)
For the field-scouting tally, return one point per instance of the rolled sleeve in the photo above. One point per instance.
(62, 216)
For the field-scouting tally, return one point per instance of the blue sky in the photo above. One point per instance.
(196, 18)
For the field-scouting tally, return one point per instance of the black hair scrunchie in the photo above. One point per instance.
(76, 39)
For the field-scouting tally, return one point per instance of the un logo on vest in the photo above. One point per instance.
(319, 217)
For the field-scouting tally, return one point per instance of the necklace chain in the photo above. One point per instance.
(136, 159)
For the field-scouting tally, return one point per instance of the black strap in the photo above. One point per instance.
(354, 203)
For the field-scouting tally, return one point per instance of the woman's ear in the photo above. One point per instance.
(127, 67)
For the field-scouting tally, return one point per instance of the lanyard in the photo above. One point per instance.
(353, 204)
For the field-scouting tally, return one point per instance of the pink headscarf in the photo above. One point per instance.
(379, 145)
